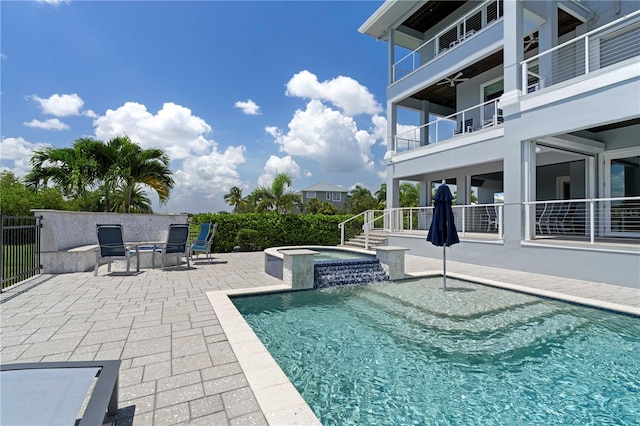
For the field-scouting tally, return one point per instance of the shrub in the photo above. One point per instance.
(272, 229)
(247, 240)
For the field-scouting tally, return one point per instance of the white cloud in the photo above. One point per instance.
(173, 129)
(204, 172)
(344, 92)
(18, 152)
(50, 124)
(328, 137)
(53, 2)
(60, 105)
(276, 165)
(248, 107)
(89, 113)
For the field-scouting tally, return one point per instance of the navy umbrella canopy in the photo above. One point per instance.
(442, 232)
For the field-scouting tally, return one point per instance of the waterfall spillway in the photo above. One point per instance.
(351, 271)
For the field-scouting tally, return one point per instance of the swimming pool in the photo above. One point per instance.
(409, 353)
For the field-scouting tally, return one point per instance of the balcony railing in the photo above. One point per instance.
(593, 221)
(478, 117)
(589, 220)
(469, 25)
(605, 46)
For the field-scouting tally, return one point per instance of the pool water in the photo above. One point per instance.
(327, 254)
(409, 353)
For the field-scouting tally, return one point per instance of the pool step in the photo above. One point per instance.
(348, 272)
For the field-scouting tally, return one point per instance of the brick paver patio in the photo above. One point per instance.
(177, 364)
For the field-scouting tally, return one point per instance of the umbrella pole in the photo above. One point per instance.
(444, 267)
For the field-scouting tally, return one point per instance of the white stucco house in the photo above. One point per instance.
(530, 111)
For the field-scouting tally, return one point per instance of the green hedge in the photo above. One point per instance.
(273, 229)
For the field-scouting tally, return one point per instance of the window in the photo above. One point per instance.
(337, 196)
(311, 194)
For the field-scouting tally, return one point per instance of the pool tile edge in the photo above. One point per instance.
(279, 400)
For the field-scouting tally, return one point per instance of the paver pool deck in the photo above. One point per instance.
(178, 363)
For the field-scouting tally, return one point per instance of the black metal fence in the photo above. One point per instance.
(19, 248)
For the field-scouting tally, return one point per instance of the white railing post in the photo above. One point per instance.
(586, 55)
(592, 221)
(463, 220)
(500, 235)
(525, 78)
(341, 233)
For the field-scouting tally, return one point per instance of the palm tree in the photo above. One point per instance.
(381, 196)
(283, 200)
(74, 170)
(360, 200)
(234, 198)
(149, 167)
(139, 202)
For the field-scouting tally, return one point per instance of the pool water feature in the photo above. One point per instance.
(410, 353)
(348, 272)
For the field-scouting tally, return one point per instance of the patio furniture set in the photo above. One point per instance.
(113, 246)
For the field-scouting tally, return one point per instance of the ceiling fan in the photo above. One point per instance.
(530, 41)
(453, 80)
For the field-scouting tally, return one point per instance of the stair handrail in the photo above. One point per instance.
(367, 215)
(342, 224)
(370, 223)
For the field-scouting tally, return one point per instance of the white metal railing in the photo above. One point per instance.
(610, 44)
(477, 117)
(353, 227)
(585, 219)
(469, 25)
(484, 219)
(592, 220)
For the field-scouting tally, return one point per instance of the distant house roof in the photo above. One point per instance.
(325, 187)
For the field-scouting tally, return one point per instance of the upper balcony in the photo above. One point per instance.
(469, 25)
(615, 43)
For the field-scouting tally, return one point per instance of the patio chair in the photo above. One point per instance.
(465, 127)
(176, 244)
(53, 393)
(492, 218)
(204, 240)
(111, 246)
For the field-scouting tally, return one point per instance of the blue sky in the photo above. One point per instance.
(234, 91)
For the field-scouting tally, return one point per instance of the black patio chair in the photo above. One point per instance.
(176, 244)
(111, 246)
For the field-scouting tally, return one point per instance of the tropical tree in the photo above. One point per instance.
(234, 198)
(138, 202)
(90, 165)
(409, 195)
(315, 206)
(74, 170)
(381, 196)
(277, 198)
(149, 167)
(360, 200)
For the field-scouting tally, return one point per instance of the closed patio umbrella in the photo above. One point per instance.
(442, 232)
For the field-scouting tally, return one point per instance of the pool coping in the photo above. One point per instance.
(279, 400)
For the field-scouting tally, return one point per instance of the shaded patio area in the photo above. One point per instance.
(178, 366)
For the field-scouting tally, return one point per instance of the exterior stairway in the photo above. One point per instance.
(377, 237)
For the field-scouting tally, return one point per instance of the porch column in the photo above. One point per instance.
(462, 191)
(423, 193)
(424, 119)
(548, 38)
(529, 177)
(393, 193)
(392, 124)
(513, 51)
(392, 59)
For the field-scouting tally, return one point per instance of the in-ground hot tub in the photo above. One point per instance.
(274, 258)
